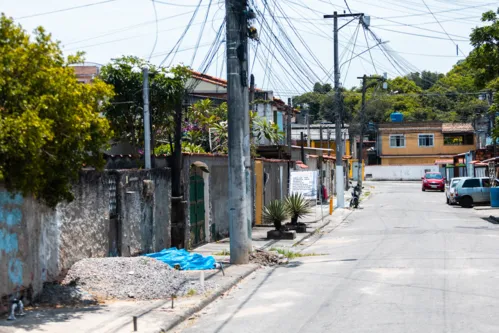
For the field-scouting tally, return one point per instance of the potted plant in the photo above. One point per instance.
(275, 212)
(297, 206)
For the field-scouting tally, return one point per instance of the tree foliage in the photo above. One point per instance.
(126, 113)
(49, 123)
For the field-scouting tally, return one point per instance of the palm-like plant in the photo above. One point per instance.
(275, 212)
(297, 206)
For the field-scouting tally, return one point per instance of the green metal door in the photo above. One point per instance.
(196, 208)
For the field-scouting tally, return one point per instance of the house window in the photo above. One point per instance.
(397, 141)
(458, 139)
(425, 140)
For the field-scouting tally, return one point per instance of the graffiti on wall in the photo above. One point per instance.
(10, 219)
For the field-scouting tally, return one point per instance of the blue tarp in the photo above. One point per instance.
(186, 260)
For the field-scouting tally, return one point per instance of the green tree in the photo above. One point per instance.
(485, 56)
(167, 87)
(426, 79)
(49, 123)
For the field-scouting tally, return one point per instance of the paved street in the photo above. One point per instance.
(405, 262)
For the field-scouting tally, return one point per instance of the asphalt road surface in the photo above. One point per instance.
(404, 262)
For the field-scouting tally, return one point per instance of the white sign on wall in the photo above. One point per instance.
(305, 183)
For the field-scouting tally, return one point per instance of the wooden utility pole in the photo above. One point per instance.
(239, 141)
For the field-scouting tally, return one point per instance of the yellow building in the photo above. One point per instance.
(410, 143)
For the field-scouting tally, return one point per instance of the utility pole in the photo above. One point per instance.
(302, 149)
(288, 125)
(308, 128)
(363, 120)
(238, 120)
(329, 142)
(252, 91)
(147, 119)
(490, 99)
(360, 158)
(340, 184)
(320, 135)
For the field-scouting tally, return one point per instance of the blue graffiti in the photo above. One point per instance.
(14, 217)
(7, 198)
(8, 242)
(10, 210)
(16, 272)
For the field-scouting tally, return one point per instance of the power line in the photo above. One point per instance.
(418, 35)
(201, 31)
(64, 9)
(179, 41)
(445, 11)
(369, 48)
(441, 26)
(157, 28)
(176, 4)
(130, 27)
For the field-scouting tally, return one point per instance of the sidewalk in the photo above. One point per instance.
(117, 316)
(158, 316)
(317, 220)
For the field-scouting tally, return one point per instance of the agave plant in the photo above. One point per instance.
(297, 206)
(275, 212)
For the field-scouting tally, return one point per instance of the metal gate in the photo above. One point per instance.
(196, 196)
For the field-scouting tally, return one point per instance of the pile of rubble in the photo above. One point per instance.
(265, 258)
(139, 278)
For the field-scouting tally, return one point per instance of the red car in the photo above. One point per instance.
(433, 181)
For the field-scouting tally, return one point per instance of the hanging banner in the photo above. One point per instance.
(305, 183)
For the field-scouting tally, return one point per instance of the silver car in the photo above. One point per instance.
(469, 191)
(450, 189)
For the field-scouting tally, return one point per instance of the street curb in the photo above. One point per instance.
(207, 301)
(312, 233)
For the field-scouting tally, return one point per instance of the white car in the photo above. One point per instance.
(450, 190)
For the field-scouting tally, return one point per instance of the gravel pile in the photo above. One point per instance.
(265, 258)
(138, 278)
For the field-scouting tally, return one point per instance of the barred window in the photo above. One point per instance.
(397, 141)
(426, 140)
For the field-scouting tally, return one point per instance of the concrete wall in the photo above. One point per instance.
(216, 194)
(28, 244)
(275, 185)
(39, 244)
(84, 222)
(416, 160)
(144, 201)
(401, 172)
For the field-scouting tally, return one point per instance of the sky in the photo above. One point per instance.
(296, 43)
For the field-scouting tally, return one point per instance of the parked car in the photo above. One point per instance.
(433, 181)
(450, 190)
(470, 191)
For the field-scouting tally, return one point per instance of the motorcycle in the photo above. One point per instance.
(357, 190)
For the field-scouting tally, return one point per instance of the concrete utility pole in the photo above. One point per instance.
(147, 119)
(340, 184)
(308, 128)
(252, 92)
(490, 99)
(288, 125)
(360, 158)
(302, 150)
(363, 120)
(239, 141)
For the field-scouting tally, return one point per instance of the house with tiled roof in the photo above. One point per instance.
(426, 142)
(266, 105)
